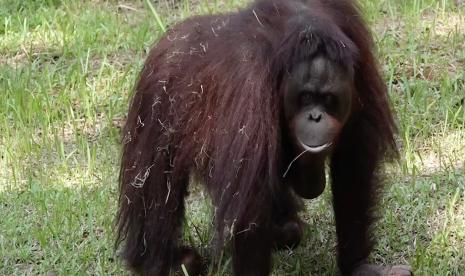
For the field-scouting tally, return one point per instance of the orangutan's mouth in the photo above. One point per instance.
(315, 149)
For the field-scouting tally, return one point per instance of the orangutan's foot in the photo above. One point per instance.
(289, 234)
(190, 259)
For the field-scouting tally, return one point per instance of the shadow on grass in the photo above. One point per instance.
(422, 223)
(70, 230)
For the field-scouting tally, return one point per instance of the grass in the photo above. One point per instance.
(67, 68)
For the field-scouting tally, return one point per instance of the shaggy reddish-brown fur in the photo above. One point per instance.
(209, 100)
